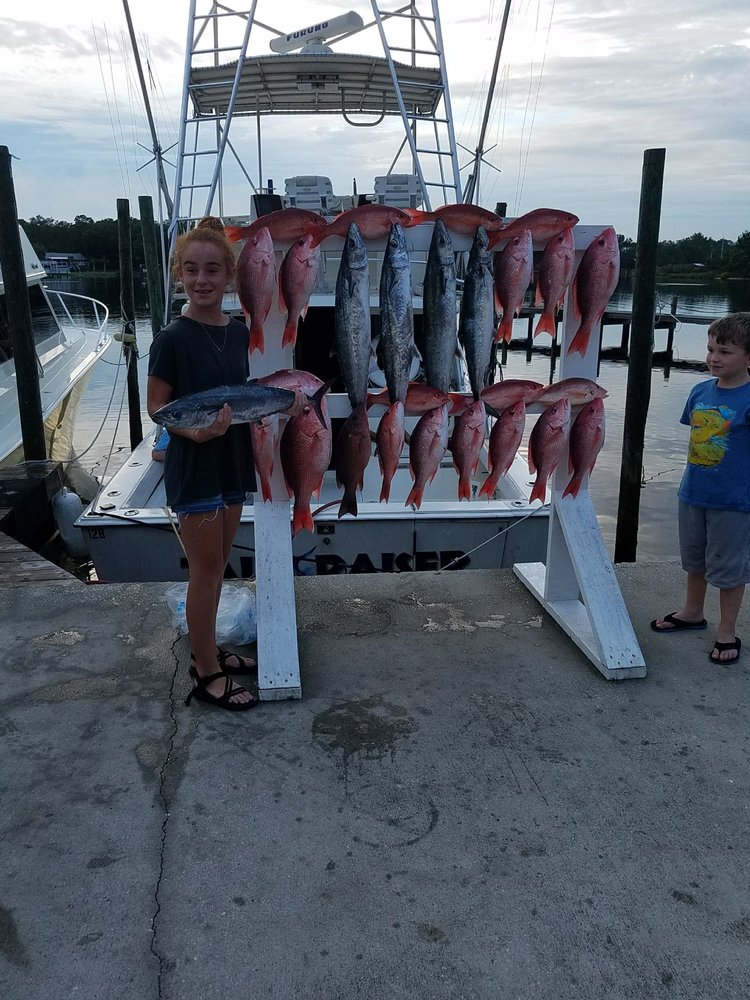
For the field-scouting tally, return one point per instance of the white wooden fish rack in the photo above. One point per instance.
(577, 585)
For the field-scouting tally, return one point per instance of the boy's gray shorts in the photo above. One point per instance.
(715, 542)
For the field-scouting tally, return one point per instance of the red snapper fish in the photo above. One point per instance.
(468, 436)
(305, 451)
(586, 440)
(264, 434)
(577, 391)
(420, 398)
(373, 221)
(499, 395)
(298, 276)
(514, 269)
(284, 225)
(593, 285)
(546, 443)
(351, 455)
(505, 438)
(429, 441)
(556, 270)
(390, 444)
(464, 218)
(543, 223)
(256, 283)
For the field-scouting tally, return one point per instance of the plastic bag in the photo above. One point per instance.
(235, 622)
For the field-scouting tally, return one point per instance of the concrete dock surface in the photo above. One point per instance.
(459, 808)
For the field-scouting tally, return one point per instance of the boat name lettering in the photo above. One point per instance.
(390, 562)
(313, 29)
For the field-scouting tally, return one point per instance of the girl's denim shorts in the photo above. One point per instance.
(220, 502)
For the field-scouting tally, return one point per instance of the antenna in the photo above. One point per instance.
(318, 32)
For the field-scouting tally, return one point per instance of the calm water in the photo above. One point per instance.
(102, 438)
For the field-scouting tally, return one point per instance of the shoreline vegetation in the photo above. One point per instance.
(696, 258)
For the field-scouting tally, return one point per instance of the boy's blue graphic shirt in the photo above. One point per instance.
(717, 473)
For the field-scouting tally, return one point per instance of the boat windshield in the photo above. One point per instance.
(44, 323)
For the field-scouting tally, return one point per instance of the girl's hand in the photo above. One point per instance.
(218, 428)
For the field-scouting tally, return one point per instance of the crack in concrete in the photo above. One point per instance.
(165, 805)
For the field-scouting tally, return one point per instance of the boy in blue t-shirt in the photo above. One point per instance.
(714, 495)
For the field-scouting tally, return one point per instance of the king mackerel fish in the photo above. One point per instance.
(249, 402)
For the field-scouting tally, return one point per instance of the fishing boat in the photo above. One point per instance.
(236, 87)
(69, 337)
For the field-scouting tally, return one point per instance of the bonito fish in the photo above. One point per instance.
(439, 309)
(556, 270)
(285, 224)
(256, 283)
(477, 322)
(546, 442)
(514, 268)
(429, 442)
(297, 278)
(249, 401)
(505, 437)
(352, 338)
(586, 440)
(469, 432)
(593, 285)
(396, 316)
(351, 456)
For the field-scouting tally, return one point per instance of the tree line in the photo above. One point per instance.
(97, 241)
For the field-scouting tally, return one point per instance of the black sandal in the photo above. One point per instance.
(226, 668)
(223, 700)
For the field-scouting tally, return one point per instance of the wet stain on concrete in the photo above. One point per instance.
(11, 946)
(371, 726)
(102, 861)
(429, 932)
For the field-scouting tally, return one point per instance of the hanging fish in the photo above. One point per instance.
(593, 285)
(305, 451)
(264, 435)
(389, 445)
(256, 283)
(542, 223)
(546, 442)
(352, 337)
(439, 309)
(586, 440)
(297, 279)
(284, 225)
(351, 457)
(464, 218)
(556, 269)
(428, 444)
(469, 432)
(514, 269)
(505, 438)
(576, 390)
(420, 398)
(373, 221)
(477, 322)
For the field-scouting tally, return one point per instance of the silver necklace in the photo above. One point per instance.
(224, 343)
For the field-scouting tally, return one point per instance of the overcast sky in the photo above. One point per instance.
(585, 87)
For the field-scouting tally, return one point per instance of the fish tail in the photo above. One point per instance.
(573, 487)
(316, 399)
(256, 338)
(234, 233)
(540, 490)
(546, 324)
(415, 496)
(302, 520)
(417, 216)
(459, 402)
(290, 333)
(488, 488)
(464, 489)
(581, 340)
(348, 505)
(505, 328)
(265, 486)
(385, 489)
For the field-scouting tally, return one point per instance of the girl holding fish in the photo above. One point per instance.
(208, 471)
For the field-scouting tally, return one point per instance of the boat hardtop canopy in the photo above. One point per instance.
(321, 83)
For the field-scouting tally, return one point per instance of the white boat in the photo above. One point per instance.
(229, 96)
(69, 337)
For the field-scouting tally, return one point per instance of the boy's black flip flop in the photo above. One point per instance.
(678, 625)
(720, 647)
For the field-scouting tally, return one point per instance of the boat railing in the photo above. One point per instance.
(95, 316)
